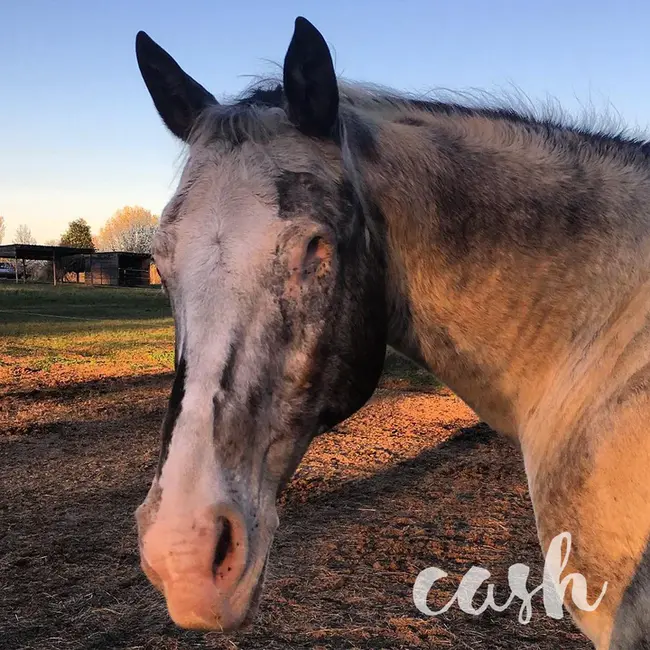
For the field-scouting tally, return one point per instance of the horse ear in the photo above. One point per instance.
(310, 81)
(177, 97)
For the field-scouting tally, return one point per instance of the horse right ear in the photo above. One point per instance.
(177, 97)
(310, 84)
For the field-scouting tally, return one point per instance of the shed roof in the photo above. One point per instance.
(37, 252)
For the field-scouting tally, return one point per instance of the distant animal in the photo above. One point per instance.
(317, 222)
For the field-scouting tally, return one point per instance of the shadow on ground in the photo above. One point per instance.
(412, 481)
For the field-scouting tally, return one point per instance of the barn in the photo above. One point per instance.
(70, 264)
(119, 269)
(56, 255)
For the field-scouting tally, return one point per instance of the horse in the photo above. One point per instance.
(317, 222)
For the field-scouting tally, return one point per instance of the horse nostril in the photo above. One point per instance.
(224, 545)
(230, 550)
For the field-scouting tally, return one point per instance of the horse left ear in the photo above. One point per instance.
(310, 81)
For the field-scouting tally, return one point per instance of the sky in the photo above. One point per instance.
(79, 136)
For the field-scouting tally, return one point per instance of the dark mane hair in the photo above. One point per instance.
(259, 112)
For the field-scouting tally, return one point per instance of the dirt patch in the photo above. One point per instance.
(411, 481)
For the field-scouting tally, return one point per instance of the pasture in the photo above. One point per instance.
(412, 481)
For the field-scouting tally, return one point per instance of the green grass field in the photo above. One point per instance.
(72, 332)
(114, 330)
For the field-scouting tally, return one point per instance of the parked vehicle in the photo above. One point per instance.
(8, 271)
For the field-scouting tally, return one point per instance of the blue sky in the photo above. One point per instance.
(79, 136)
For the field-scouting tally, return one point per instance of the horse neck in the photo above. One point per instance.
(500, 278)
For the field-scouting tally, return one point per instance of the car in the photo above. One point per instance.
(8, 271)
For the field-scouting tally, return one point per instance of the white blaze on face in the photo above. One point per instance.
(224, 236)
(191, 478)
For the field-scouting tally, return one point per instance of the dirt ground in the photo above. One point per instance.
(411, 481)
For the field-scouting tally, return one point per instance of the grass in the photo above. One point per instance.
(71, 332)
(80, 301)
(75, 330)
(403, 374)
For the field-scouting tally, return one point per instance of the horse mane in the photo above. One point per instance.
(259, 112)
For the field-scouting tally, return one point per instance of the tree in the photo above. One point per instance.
(78, 235)
(24, 235)
(130, 229)
(3, 228)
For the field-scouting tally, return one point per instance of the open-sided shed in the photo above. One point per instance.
(53, 254)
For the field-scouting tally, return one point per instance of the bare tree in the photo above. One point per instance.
(136, 239)
(24, 235)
